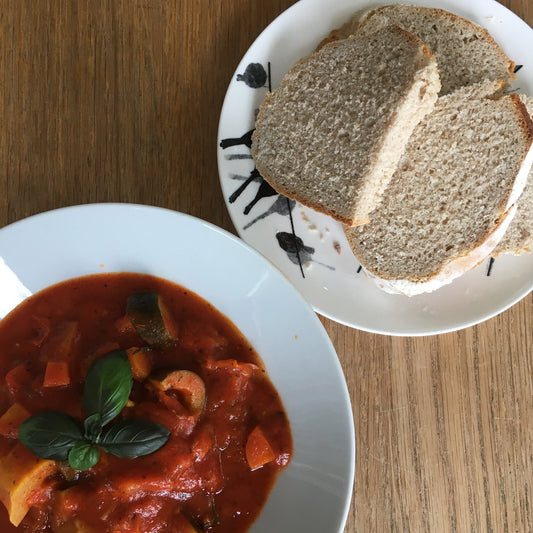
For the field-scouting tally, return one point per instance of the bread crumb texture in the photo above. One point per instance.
(451, 189)
(331, 135)
(466, 52)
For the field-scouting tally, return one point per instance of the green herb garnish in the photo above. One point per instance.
(56, 435)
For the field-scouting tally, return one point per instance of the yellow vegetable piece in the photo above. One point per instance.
(21, 474)
(11, 420)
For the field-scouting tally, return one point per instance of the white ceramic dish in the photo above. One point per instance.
(328, 275)
(314, 492)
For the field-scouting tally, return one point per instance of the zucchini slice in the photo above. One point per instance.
(151, 319)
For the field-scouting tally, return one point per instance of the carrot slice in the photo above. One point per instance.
(56, 374)
(140, 362)
(60, 343)
(17, 378)
(232, 365)
(124, 325)
(42, 330)
(259, 452)
(172, 403)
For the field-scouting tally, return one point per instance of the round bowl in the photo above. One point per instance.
(313, 493)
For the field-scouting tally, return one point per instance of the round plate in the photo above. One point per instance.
(313, 493)
(310, 248)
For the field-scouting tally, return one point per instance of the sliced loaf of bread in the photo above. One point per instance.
(466, 53)
(453, 194)
(518, 238)
(331, 135)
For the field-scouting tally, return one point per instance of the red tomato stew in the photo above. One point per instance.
(225, 435)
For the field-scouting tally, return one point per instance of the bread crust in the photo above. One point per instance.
(452, 270)
(295, 196)
(527, 125)
(518, 239)
(360, 20)
(441, 13)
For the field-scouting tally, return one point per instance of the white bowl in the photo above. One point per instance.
(313, 493)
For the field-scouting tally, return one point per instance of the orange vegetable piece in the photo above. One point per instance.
(42, 330)
(125, 326)
(232, 365)
(258, 449)
(172, 403)
(141, 364)
(17, 377)
(60, 342)
(56, 374)
(11, 420)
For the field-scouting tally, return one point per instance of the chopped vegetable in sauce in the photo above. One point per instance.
(191, 442)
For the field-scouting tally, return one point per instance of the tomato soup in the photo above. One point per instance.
(194, 374)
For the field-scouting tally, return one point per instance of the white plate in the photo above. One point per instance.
(329, 277)
(313, 493)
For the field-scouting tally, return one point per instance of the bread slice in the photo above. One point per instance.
(466, 53)
(453, 194)
(518, 239)
(331, 135)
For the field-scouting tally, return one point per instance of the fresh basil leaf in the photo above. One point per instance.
(134, 438)
(108, 386)
(83, 455)
(50, 434)
(93, 427)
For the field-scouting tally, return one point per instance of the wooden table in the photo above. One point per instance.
(118, 100)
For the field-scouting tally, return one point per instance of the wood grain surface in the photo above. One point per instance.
(118, 100)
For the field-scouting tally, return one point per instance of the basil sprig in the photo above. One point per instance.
(108, 386)
(51, 434)
(56, 435)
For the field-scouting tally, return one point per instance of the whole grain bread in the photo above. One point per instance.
(518, 238)
(331, 135)
(466, 53)
(452, 196)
